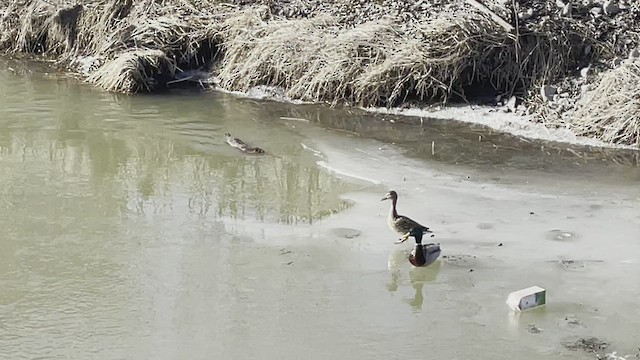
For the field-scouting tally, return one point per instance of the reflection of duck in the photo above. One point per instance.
(242, 146)
(423, 254)
(399, 223)
(418, 277)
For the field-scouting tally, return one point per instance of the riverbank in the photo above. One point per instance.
(561, 64)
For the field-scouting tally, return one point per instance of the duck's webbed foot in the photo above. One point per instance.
(403, 238)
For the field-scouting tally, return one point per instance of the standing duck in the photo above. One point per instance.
(423, 254)
(399, 223)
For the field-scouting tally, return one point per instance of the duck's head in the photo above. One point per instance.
(390, 195)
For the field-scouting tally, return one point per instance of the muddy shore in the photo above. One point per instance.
(567, 64)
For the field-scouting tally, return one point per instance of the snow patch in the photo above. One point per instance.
(492, 117)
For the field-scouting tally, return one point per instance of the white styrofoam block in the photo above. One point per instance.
(527, 298)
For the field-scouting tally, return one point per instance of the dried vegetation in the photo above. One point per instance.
(133, 46)
(378, 64)
(610, 111)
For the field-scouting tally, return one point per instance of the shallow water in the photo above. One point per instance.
(131, 230)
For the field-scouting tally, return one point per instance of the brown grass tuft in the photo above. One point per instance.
(611, 110)
(115, 32)
(135, 71)
(379, 64)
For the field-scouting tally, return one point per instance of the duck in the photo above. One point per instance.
(400, 223)
(423, 254)
(242, 146)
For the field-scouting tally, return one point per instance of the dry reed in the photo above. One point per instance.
(315, 59)
(121, 34)
(377, 64)
(135, 71)
(611, 110)
(370, 64)
(143, 44)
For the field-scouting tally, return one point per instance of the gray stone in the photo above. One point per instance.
(610, 8)
(584, 72)
(511, 104)
(529, 12)
(524, 15)
(547, 92)
(534, 329)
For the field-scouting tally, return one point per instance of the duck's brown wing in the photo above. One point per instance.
(235, 142)
(404, 224)
(241, 145)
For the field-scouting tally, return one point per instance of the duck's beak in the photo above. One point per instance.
(387, 197)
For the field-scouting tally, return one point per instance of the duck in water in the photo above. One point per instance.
(423, 254)
(242, 146)
(400, 223)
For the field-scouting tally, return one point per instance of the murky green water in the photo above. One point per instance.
(132, 231)
(107, 202)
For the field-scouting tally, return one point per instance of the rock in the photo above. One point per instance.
(525, 15)
(571, 321)
(547, 92)
(591, 345)
(534, 329)
(634, 54)
(584, 72)
(610, 8)
(529, 12)
(511, 104)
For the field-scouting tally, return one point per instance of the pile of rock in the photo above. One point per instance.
(353, 12)
(614, 25)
